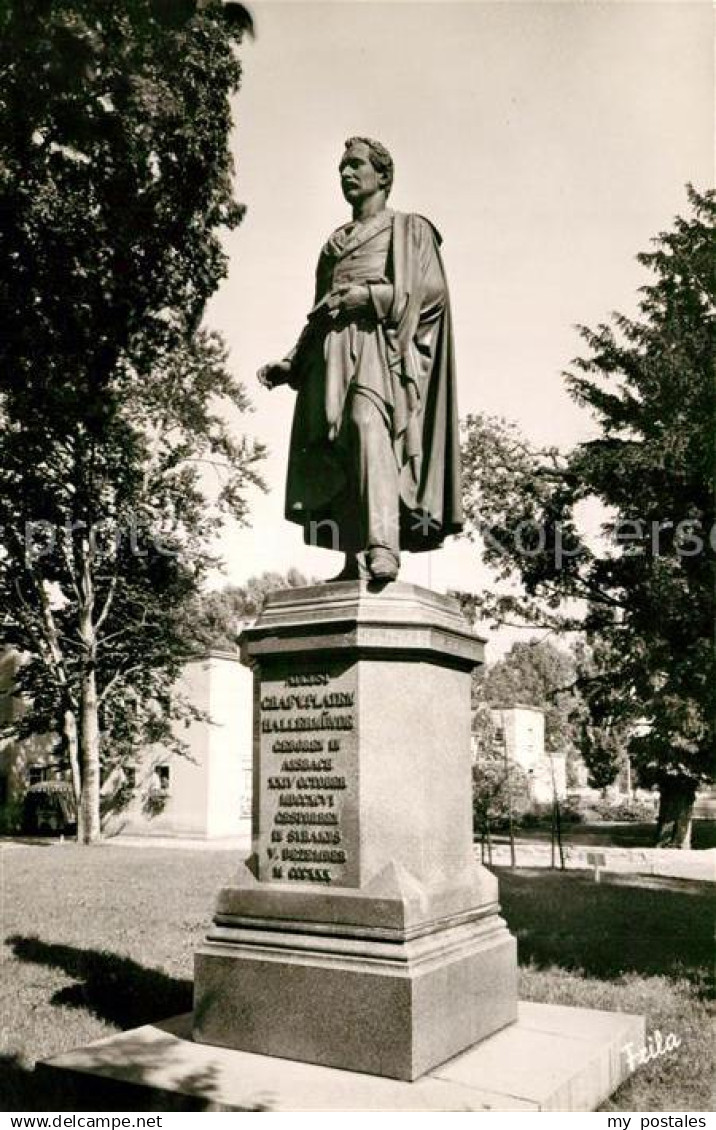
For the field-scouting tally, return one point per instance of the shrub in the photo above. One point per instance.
(11, 818)
(540, 814)
(636, 812)
(497, 786)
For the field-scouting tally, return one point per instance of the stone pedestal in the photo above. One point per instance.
(361, 934)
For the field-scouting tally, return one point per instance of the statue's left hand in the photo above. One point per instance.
(353, 299)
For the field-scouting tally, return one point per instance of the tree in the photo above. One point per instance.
(536, 673)
(215, 619)
(603, 736)
(644, 595)
(500, 787)
(115, 181)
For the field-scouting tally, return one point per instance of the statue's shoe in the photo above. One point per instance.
(383, 565)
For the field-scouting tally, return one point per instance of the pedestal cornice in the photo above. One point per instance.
(359, 617)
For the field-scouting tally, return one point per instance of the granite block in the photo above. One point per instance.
(160, 1068)
(359, 1004)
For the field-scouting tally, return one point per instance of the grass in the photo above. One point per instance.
(96, 940)
(102, 939)
(630, 944)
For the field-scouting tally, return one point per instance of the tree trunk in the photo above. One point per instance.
(88, 822)
(510, 821)
(676, 805)
(558, 832)
(69, 728)
(556, 817)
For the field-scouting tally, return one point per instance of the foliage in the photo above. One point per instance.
(115, 181)
(214, 619)
(603, 736)
(643, 593)
(542, 815)
(630, 812)
(500, 788)
(11, 816)
(535, 673)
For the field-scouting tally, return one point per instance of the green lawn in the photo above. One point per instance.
(102, 939)
(631, 943)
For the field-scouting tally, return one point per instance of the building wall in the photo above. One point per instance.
(230, 746)
(524, 742)
(167, 793)
(208, 792)
(205, 794)
(18, 759)
(549, 776)
(523, 729)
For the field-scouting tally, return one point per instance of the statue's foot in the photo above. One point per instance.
(383, 564)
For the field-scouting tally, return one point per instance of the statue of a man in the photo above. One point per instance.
(374, 463)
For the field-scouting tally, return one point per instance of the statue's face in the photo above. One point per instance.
(359, 177)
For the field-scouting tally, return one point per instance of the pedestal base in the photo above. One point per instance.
(553, 1058)
(393, 1008)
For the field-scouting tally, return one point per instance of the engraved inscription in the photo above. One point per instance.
(308, 780)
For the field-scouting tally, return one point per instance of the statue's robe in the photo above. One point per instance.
(399, 356)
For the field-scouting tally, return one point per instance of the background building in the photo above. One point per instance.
(519, 730)
(205, 793)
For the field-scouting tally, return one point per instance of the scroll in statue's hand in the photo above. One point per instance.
(275, 373)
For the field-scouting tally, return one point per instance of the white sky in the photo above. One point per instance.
(547, 141)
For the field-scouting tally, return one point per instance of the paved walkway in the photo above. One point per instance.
(700, 865)
(186, 843)
(672, 864)
(241, 844)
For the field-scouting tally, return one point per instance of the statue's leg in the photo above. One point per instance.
(355, 568)
(375, 485)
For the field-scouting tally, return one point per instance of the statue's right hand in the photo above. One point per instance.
(275, 373)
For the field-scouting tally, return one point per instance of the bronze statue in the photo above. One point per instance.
(374, 462)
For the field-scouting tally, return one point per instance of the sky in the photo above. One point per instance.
(547, 141)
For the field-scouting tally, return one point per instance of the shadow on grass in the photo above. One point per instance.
(18, 1087)
(565, 919)
(114, 988)
(123, 993)
(28, 841)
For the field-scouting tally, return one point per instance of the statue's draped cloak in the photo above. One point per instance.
(401, 358)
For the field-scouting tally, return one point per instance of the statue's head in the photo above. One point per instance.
(366, 166)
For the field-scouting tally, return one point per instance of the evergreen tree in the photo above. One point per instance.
(649, 588)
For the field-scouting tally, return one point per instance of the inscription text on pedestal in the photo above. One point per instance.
(309, 777)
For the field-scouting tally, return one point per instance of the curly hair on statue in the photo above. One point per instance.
(380, 158)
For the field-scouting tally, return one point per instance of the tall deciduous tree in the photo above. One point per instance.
(115, 181)
(215, 619)
(536, 673)
(649, 586)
